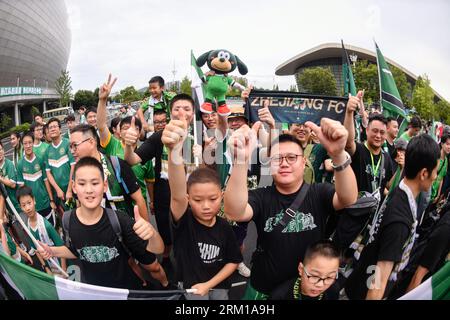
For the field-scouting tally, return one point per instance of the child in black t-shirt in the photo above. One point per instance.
(393, 234)
(93, 240)
(205, 247)
(317, 275)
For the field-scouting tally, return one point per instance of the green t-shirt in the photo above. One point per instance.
(405, 136)
(8, 170)
(162, 104)
(59, 160)
(39, 150)
(32, 174)
(52, 234)
(144, 173)
(442, 172)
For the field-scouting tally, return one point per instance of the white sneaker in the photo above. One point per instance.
(244, 270)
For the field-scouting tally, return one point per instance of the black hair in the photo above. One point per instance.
(158, 112)
(127, 120)
(378, 117)
(88, 162)
(114, 123)
(324, 248)
(28, 134)
(70, 117)
(444, 138)
(24, 191)
(85, 129)
(1, 143)
(415, 122)
(157, 79)
(91, 109)
(422, 152)
(286, 137)
(34, 125)
(54, 120)
(37, 115)
(389, 119)
(204, 175)
(16, 134)
(181, 96)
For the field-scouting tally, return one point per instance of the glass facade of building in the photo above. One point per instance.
(34, 42)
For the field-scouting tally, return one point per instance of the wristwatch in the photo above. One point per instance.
(343, 166)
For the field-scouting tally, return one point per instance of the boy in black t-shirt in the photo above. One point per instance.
(393, 233)
(92, 238)
(205, 247)
(317, 275)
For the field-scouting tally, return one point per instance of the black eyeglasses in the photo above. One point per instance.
(74, 146)
(315, 279)
(291, 158)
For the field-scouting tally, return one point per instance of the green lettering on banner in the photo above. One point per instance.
(19, 91)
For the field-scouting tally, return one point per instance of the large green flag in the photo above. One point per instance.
(389, 96)
(347, 74)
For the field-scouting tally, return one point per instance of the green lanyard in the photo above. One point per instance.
(374, 169)
(296, 290)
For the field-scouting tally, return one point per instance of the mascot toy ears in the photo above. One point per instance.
(222, 62)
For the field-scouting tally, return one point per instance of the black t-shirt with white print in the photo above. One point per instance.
(363, 168)
(103, 259)
(202, 251)
(388, 245)
(281, 249)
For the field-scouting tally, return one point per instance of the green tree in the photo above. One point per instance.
(5, 122)
(234, 92)
(318, 80)
(366, 77)
(129, 94)
(34, 111)
(423, 99)
(85, 98)
(186, 86)
(403, 86)
(63, 87)
(293, 88)
(443, 111)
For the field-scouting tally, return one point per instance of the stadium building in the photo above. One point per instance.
(35, 44)
(330, 55)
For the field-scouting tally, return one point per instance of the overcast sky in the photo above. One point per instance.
(138, 39)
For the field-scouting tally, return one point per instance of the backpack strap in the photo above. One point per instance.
(66, 227)
(116, 165)
(289, 213)
(114, 220)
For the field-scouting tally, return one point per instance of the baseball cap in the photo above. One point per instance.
(236, 112)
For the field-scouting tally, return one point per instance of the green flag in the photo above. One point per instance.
(389, 96)
(347, 74)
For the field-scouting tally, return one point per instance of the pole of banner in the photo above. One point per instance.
(19, 218)
(197, 160)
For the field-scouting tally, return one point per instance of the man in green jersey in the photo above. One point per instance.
(114, 146)
(59, 163)
(40, 146)
(31, 172)
(8, 177)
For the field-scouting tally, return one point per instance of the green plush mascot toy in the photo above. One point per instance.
(221, 62)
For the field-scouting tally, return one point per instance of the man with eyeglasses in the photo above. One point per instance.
(281, 246)
(59, 164)
(317, 275)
